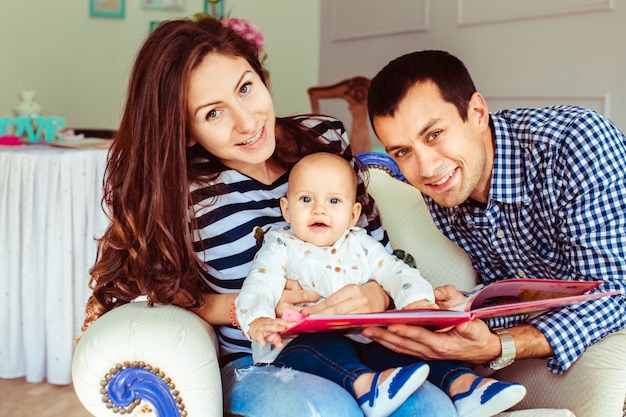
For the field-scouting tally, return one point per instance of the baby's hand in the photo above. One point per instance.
(420, 304)
(265, 330)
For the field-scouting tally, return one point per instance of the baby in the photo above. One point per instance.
(324, 251)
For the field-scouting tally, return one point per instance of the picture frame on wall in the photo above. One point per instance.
(107, 8)
(214, 8)
(154, 24)
(163, 4)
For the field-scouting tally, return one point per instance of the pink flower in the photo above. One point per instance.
(246, 30)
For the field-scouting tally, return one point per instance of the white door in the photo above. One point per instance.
(526, 53)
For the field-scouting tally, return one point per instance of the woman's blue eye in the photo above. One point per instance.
(245, 88)
(213, 114)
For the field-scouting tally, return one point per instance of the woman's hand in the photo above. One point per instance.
(352, 299)
(293, 295)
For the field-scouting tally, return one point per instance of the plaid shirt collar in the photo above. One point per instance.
(508, 179)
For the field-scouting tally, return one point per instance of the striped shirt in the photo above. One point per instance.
(225, 239)
(556, 209)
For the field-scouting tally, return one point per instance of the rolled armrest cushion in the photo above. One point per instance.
(176, 341)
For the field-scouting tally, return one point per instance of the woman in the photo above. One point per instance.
(199, 161)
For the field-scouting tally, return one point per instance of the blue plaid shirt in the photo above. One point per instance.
(556, 209)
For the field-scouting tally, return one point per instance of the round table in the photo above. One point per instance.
(50, 216)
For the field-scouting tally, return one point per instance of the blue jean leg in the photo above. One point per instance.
(329, 355)
(427, 401)
(442, 373)
(263, 391)
(343, 360)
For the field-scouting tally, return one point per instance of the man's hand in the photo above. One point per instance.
(265, 330)
(352, 299)
(471, 341)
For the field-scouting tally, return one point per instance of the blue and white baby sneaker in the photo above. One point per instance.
(488, 399)
(384, 399)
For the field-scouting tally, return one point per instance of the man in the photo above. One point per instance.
(526, 193)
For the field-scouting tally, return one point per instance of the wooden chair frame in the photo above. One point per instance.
(354, 92)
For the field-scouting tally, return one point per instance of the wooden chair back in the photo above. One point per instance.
(354, 92)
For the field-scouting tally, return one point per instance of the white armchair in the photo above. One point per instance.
(163, 361)
(175, 350)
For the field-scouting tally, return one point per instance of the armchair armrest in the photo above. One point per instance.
(160, 358)
(594, 386)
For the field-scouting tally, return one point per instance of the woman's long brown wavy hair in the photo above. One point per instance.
(147, 249)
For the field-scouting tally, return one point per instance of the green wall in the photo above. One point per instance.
(79, 66)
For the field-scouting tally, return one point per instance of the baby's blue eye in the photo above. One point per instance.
(334, 201)
(306, 199)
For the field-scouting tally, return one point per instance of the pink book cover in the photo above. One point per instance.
(503, 298)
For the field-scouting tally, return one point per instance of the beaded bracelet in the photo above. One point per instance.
(231, 310)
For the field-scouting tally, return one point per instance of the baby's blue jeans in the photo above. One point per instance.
(342, 360)
(260, 391)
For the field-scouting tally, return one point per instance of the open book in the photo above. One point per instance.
(510, 297)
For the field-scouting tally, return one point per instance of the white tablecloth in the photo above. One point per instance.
(50, 215)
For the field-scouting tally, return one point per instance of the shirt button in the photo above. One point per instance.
(500, 234)
(521, 274)
(337, 269)
(333, 251)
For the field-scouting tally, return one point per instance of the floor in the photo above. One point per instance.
(19, 398)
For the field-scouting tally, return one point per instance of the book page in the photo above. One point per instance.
(525, 296)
